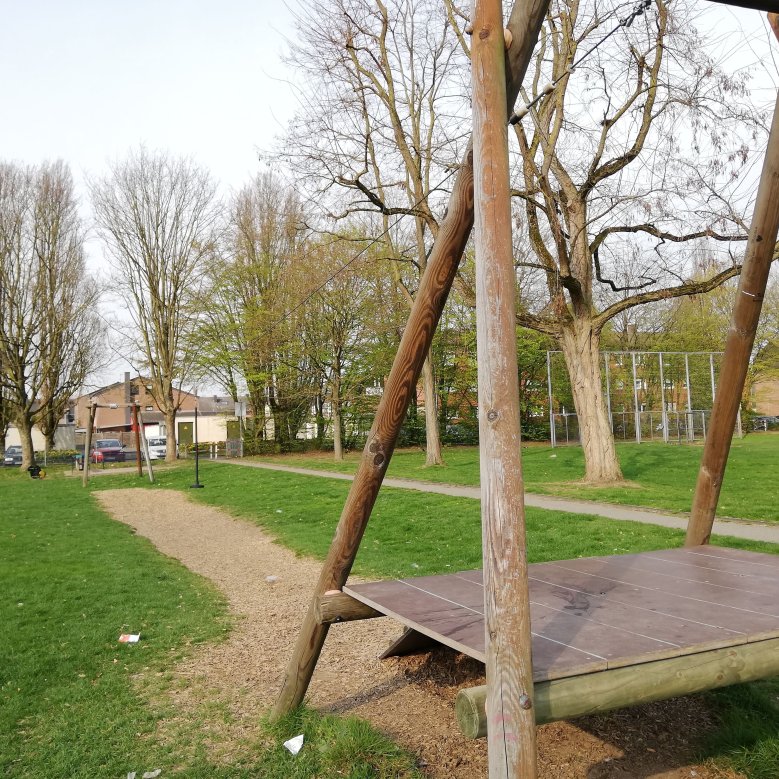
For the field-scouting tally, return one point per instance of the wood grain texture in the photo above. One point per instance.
(88, 445)
(340, 607)
(738, 347)
(603, 691)
(511, 741)
(446, 253)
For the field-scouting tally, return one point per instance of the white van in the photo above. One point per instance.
(158, 448)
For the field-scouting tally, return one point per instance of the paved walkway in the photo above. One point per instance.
(740, 528)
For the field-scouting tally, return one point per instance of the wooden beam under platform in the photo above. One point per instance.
(336, 606)
(602, 691)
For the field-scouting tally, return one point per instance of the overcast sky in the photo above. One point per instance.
(86, 80)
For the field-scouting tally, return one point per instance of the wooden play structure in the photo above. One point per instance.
(561, 639)
(141, 445)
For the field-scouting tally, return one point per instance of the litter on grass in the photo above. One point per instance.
(152, 774)
(294, 745)
(129, 638)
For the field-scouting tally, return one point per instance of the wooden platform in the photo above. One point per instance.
(600, 613)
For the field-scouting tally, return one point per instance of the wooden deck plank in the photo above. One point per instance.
(601, 639)
(757, 574)
(462, 628)
(753, 558)
(736, 621)
(715, 587)
(693, 563)
(662, 627)
(591, 614)
(612, 637)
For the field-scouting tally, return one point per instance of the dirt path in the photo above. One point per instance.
(244, 672)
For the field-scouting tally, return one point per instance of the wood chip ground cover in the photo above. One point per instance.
(409, 699)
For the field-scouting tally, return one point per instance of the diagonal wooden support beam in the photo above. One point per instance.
(524, 23)
(738, 348)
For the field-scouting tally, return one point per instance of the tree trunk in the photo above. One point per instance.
(24, 425)
(319, 403)
(338, 449)
(432, 434)
(170, 440)
(581, 349)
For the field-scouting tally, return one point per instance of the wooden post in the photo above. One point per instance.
(524, 24)
(138, 465)
(88, 444)
(511, 738)
(145, 446)
(738, 348)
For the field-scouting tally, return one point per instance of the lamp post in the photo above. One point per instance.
(197, 485)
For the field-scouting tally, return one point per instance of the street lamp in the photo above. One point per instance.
(197, 485)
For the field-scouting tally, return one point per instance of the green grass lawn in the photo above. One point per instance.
(410, 533)
(416, 533)
(75, 703)
(69, 710)
(659, 475)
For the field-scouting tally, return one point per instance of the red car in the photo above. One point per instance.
(108, 450)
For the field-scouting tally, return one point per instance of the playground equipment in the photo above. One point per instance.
(593, 622)
(141, 444)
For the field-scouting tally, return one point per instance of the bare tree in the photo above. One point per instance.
(388, 83)
(629, 165)
(158, 216)
(339, 324)
(49, 332)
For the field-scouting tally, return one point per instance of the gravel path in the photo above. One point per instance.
(411, 699)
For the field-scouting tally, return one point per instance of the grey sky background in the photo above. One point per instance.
(86, 80)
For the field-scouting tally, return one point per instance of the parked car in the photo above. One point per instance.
(765, 423)
(158, 448)
(13, 455)
(107, 450)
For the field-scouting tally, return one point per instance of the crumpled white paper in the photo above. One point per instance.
(294, 745)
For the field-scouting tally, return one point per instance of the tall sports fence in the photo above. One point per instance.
(650, 396)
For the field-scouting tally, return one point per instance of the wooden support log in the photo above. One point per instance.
(88, 445)
(137, 432)
(602, 691)
(524, 23)
(337, 606)
(738, 347)
(511, 741)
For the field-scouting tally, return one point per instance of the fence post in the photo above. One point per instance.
(662, 398)
(552, 431)
(635, 399)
